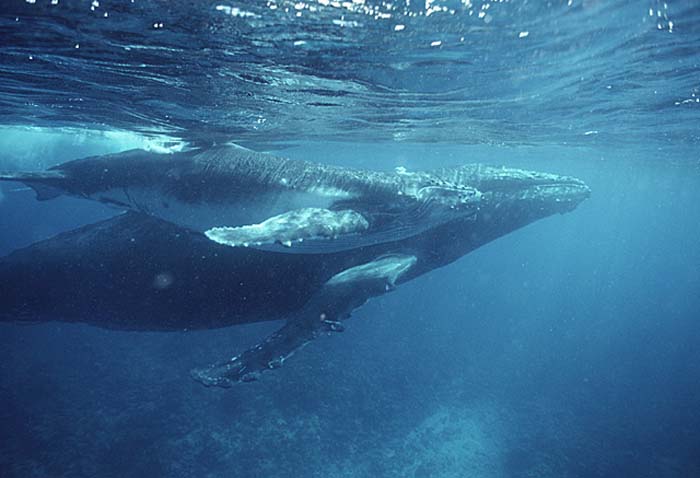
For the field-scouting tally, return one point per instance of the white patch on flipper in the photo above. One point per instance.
(387, 269)
(285, 229)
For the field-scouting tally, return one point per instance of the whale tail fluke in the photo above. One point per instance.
(44, 183)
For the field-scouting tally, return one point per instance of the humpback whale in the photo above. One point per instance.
(239, 197)
(139, 272)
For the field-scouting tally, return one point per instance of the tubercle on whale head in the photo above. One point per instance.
(549, 192)
(499, 186)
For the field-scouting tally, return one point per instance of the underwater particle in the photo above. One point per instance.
(436, 43)
(398, 28)
(163, 280)
(523, 34)
(77, 45)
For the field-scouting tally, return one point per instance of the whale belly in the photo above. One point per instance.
(205, 214)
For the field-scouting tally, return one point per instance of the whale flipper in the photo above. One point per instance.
(313, 230)
(324, 312)
(290, 227)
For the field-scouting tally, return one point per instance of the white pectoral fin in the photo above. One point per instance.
(377, 276)
(290, 227)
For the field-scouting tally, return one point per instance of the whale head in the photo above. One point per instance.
(542, 193)
(530, 194)
(509, 199)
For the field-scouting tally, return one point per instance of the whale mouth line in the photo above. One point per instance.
(515, 185)
(572, 187)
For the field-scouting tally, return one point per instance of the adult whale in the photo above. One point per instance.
(138, 272)
(239, 197)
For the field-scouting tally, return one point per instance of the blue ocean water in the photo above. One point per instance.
(568, 348)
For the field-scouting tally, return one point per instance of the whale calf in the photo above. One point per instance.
(139, 272)
(242, 198)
